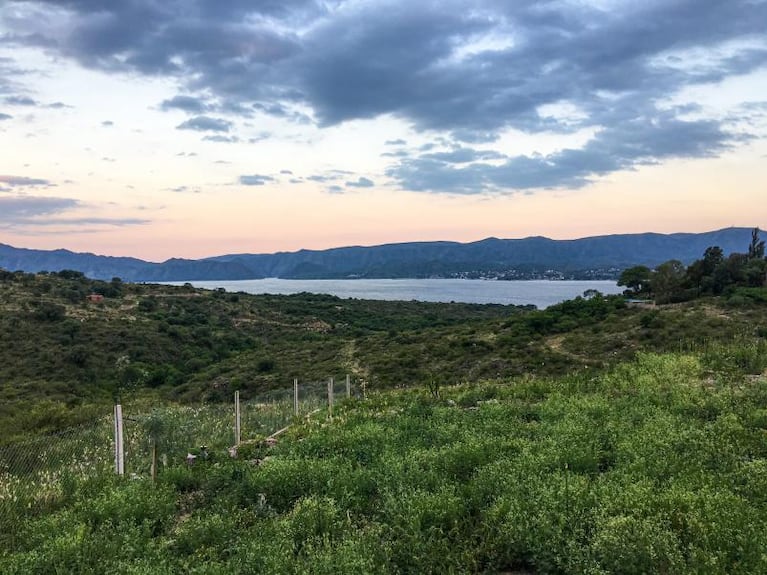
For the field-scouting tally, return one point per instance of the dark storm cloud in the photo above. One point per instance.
(205, 124)
(634, 142)
(467, 69)
(219, 41)
(255, 180)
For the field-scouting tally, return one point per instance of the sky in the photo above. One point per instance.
(193, 128)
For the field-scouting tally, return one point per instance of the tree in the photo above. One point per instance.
(71, 275)
(755, 272)
(712, 257)
(756, 248)
(591, 294)
(155, 426)
(128, 376)
(701, 273)
(49, 311)
(636, 279)
(667, 281)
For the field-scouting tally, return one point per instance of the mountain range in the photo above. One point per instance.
(591, 257)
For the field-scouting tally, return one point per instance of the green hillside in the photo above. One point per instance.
(62, 356)
(658, 465)
(596, 436)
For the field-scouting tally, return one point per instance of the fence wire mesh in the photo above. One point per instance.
(36, 473)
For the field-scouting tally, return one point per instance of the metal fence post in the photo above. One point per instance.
(295, 396)
(330, 398)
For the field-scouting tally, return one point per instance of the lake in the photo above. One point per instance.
(541, 293)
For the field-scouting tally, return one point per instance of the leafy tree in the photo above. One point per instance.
(71, 275)
(668, 281)
(48, 311)
(755, 272)
(702, 273)
(732, 270)
(636, 279)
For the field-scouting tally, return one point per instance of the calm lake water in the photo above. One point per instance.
(541, 293)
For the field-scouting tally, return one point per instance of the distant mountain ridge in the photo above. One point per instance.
(492, 257)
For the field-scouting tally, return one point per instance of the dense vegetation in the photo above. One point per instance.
(590, 437)
(713, 274)
(656, 466)
(64, 358)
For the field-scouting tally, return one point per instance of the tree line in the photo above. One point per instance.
(713, 274)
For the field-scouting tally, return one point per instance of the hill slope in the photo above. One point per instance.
(496, 257)
(59, 351)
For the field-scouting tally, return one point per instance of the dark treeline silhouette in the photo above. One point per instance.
(713, 274)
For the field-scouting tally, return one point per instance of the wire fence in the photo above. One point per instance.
(36, 472)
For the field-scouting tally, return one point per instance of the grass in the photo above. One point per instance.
(657, 465)
(595, 438)
(38, 472)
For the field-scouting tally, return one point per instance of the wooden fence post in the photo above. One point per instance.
(330, 398)
(237, 419)
(295, 396)
(119, 447)
(348, 386)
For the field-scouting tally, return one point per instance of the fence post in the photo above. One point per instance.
(295, 395)
(348, 386)
(330, 398)
(237, 420)
(119, 447)
(153, 467)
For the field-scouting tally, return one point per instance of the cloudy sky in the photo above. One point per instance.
(190, 128)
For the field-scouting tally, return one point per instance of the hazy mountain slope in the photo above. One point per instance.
(434, 258)
(415, 259)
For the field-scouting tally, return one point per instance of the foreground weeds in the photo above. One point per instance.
(659, 466)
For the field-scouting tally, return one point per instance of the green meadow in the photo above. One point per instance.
(596, 436)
